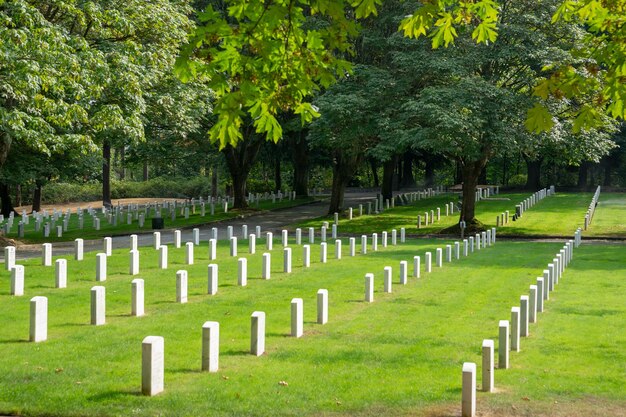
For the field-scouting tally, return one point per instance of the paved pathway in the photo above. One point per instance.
(270, 221)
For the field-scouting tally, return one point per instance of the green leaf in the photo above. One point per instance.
(365, 8)
(485, 32)
(587, 117)
(539, 119)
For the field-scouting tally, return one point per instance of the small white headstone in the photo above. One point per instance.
(503, 345)
(212, 249)
(352, 246)
(468, 404)
(416, 266)
(38, 319)
(287, 260)
(242, 272)
(212, 279)
(403, 272)
(17, 280)
(266, 266)
(269, 241)
(61, 273)
(181, 286)
(195, 233)
(369, 288)
(134, 262)
(337, 249)
(488, 365)
(387, 285)
(101, 267)
(540, 298)
(9, 257)
(323, 252)
(177, 238)
(189, 253)
(210, 346)
(306, 256)
(233, 246)
(163, 257)
(439, 257)
(46, 254)
(428, 261)
(257, 333)
(156, 240)
(322, 306)
(98, 306)
(137, 297)
(515, 329)
(152, 365)
(524, 310)
(297, 317)
(133, 242)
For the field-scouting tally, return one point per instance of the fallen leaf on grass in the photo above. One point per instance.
(525, 398)
(283, 383)
(225, 377)
(58, 370)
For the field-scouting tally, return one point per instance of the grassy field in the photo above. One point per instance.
(122, 229)
(555, 216)
(400, 355)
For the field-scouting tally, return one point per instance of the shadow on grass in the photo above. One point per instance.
(12, 341)
(235, 353)
(114, 395)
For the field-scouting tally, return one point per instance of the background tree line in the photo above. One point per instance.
(92, 90)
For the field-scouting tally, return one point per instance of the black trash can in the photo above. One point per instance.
(158, 223)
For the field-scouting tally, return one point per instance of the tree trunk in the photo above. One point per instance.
(106, 173)
(583, 171)
(239, 161)
(300, 165)
(145, 170)
(388, 174)
(408, 181)
(343, 170)
(5, 147)
(397, 178)
(374, 172)
(122, 163)
(7, 205)
(471, 175)
(214, 182)
(37, 198)
(533, 167)
(429, 173)
(278, 181)
(18, 195)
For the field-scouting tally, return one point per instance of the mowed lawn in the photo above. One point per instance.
(400, 355)
(555, 216)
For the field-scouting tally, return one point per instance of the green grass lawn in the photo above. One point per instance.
(555, 216)
(106, 229)
(400, 355)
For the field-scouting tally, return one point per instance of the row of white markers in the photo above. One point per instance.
(153, 346)
(510, 332)
(152, 356)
